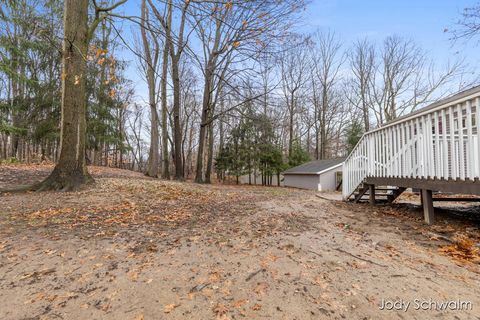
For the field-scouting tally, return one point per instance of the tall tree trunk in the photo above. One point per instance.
(189, 149)
(175, 61)
(323, 124)
(203, 126)
(153, 157)
(14, 100)
(201, 146)
(208, 171)
(71, 170)
(152, 169)
(308, 140)
(290, 129)
(366, 115)
(177, 129)
(221, 136)
(166, 160)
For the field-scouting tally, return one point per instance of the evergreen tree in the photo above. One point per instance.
(354, 133)
(250, 148)
(298, 156)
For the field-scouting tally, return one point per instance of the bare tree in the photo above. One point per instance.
(176, 42)
(468, 26)
(407, 79)
(150, 65)
(359, 86)
(163, 82)
(294, 67)
(232, 32)
(327, 60)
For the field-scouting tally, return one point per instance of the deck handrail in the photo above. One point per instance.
(405, 148)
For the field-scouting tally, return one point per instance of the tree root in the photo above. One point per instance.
(58, 180)
(18, 189)
(64, 183)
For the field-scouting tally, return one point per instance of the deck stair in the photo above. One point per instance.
(382, 194)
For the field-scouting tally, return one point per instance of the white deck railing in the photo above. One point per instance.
(439, 142)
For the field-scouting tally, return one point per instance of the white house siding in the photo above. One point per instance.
(302, 181)
(324, 182)
(328, 180)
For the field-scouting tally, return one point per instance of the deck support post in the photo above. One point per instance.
(372, 194)
(427, 203)
(420, 193)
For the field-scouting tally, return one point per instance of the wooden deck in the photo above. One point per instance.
(453, 186)
(436, 148)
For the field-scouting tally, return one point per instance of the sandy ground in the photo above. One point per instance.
(136, 248)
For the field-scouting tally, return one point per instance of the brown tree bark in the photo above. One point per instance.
(153, 157)
(203, 128)
(166, 160)
(208, 171)
(177, 129)
(175, 61)
(71, 171)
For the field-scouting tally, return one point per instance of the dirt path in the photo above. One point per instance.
(135, 248)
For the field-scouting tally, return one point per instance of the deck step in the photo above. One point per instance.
(362, 194)
(376, 194)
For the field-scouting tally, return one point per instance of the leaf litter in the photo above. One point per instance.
(129, 247)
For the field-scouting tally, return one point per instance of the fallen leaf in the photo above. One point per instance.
(220, 310)
(133, 275)
(239, 303)
(169, 307)
(261, 288)
(256, 307)
(273, 257)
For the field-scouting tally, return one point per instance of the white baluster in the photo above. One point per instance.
(477, 123)
(470, 156)
(444, 146)
(461, 155)
(437, 147)
(453, 149)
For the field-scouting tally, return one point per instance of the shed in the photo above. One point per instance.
(320, 175)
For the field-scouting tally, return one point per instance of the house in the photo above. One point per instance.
(320, 175)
